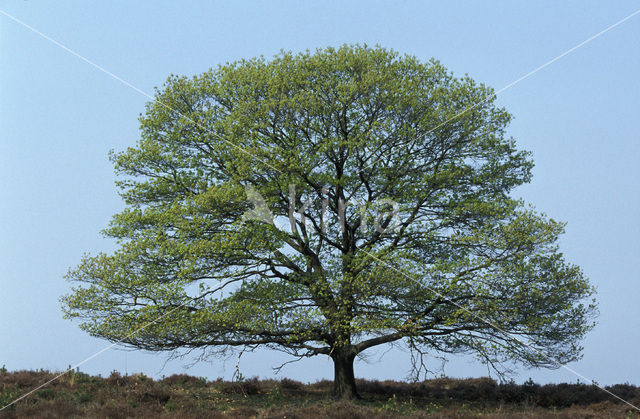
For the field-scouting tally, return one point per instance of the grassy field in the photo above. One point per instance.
(80, 395)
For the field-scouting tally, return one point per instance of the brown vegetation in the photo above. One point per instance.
(76, 394)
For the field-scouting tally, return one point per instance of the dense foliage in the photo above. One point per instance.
(389, 182)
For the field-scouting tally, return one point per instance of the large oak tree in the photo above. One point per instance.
(389, 181)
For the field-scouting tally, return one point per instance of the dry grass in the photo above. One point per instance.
(79, 395)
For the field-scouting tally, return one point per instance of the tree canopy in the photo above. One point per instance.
(390, 185)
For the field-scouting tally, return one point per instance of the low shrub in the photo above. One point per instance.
(289, 384)
(184, 380)
(248, 387)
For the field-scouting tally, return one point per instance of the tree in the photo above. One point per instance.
(389, 184)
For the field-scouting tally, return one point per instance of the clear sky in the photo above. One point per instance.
(59, 117)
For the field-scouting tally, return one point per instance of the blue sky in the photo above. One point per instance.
(59, 117)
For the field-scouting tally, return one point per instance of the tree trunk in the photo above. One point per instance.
(344, 382)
